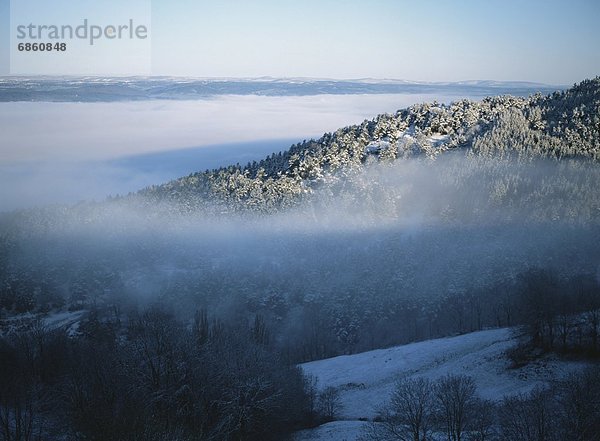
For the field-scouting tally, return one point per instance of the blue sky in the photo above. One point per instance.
(547, 41)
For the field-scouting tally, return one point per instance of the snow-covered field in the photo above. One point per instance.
(366, 380)
(68, 320)
(334, 431)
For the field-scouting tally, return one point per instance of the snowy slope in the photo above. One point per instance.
(68, 320)
(334, 431)
(366, 380)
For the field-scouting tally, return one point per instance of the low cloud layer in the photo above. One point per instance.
(47, 131)
(64, 152)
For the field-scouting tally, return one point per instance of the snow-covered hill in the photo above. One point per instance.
(365, 381)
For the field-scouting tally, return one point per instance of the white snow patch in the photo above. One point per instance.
(62, 319)
(69, 320)
(366, 380)
(437, 139)
(334, 431)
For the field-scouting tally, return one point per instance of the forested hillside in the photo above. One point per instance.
(561, 125)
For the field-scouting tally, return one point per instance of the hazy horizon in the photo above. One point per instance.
(424, 41)
(267, 77)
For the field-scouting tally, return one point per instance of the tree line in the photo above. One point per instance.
(149, 376)
(450, 408)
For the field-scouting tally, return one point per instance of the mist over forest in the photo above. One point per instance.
(200, 296)
(385, 250)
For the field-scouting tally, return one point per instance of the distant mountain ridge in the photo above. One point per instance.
(99, 89)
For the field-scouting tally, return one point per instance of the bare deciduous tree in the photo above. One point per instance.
(329, 403)
(527, 417)
(483, 419)
(408, 416)
(455, 399)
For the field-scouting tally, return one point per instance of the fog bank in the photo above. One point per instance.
(66, 152)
